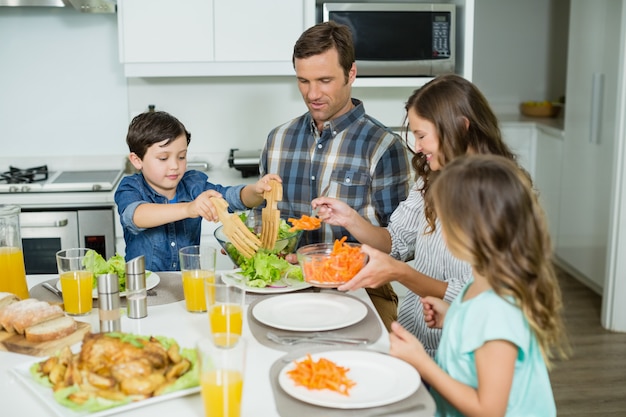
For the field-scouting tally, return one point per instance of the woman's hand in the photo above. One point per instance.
(435, 310)
(379, 270)
(334, 212)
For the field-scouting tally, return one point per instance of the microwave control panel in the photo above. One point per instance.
(441, 35)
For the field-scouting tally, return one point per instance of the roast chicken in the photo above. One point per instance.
(115, 365)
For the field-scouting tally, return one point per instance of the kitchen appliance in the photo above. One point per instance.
(246, 161)
(85, 6)
(44, 233)
(399, 39)
(61, 210)
(40, 179)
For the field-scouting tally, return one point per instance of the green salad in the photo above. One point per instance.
(268, 267)
(100, 266)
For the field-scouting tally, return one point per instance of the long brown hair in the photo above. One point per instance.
(491, 216)
(464, 123)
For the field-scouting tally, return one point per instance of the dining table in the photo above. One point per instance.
(262, 393)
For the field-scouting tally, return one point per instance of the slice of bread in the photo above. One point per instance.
(37, 313)
(8, 313)
(7, 298)
(51, 329)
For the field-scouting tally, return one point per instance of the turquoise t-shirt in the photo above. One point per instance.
(467, 326)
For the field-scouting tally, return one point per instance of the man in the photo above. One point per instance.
(336, 149)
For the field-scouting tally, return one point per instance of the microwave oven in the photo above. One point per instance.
(399, 39)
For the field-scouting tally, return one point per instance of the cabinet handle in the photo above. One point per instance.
(54, 223)
(597, 91)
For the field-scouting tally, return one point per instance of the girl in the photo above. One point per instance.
(500, 333)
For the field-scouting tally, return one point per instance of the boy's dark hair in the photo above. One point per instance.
(322, 37)
(149, 128)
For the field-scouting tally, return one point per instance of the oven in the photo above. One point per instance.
(44, 233)
(61, 210)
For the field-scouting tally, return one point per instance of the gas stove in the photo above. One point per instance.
(41, 180)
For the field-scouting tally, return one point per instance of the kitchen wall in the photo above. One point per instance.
(63, 91)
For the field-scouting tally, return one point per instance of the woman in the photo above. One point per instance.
(449, 117)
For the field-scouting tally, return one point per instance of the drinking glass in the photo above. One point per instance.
(222, 360)
(225, 304)
(76, 278)
(197, 266)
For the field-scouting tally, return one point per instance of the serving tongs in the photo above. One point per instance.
(270, 215)
(246, 242)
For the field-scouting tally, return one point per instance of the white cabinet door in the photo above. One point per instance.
(594, 43)
(253, 30)
(162, 31)
(521, 139)
(547, 179)
(161, 38)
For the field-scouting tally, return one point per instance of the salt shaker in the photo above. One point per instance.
(109, 303)
(136, 296)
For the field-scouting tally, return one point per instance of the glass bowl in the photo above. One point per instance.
(282, 248)
(321, 268)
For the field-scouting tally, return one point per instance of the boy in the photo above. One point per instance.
(162, 207)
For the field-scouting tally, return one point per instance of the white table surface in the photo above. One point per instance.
(170, 320)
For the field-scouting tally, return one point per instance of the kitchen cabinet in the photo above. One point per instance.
(521, 138)
(547, 177)
(594, 55)
(210, 37)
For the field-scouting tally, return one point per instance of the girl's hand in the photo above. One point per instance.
(435, 310)
(405, 346)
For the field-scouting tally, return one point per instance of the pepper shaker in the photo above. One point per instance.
(109, 303)
(136, 296)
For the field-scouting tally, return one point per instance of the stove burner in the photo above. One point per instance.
(24, 176)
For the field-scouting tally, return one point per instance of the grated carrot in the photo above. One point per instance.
(340, 266)
(321, 374)
(304, 223)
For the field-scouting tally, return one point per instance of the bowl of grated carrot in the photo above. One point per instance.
(328, 265)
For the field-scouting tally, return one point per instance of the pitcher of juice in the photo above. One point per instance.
(12, 271)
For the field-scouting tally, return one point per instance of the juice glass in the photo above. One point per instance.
(76, 281)
(12, 270)
(197, 266)
(222, 374)
(225, 305)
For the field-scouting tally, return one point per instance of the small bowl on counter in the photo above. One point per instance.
(540, 108)
(323, 267)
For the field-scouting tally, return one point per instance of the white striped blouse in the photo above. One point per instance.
(430, 257)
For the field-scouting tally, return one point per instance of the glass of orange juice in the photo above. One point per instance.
(225, 305)
(222, 359)
(197, 266)
(77, 281)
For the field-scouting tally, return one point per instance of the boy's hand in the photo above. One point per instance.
(263, 184)
(203, 206)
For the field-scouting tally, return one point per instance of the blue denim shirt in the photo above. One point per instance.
(159, 245)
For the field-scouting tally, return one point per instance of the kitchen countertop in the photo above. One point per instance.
(551, 124)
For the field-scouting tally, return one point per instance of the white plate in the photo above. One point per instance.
(45, 394)
(310, 311)
(380, 380)
(235, 278)
(152, 281)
